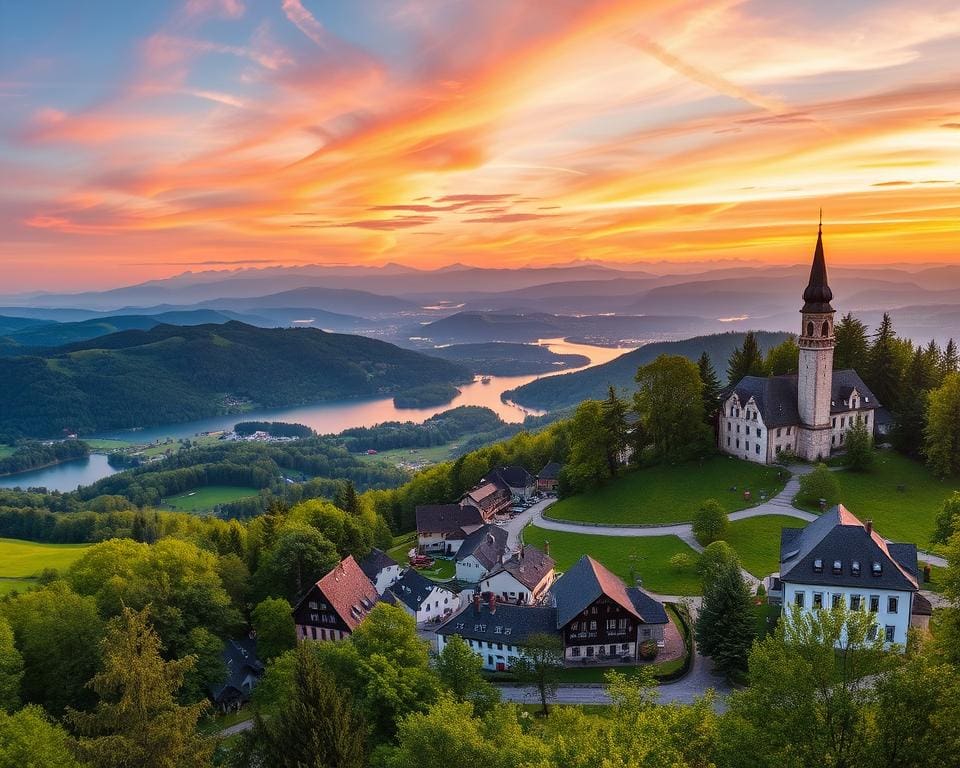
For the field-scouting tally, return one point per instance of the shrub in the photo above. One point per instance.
(819, 484)
(710, 522)
(761, 590)
(682, 561)
(648, 650)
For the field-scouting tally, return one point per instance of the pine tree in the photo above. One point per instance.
(346, 498)
(615, 425)
(137, 720)
(942, 434)
(852, 346)
(746, 360)
(316, 726)
(911, 416)
(883, 369)
(711, 386)
(933, 356)
(726, 625)
(950, 362)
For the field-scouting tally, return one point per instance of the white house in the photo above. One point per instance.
(524, 578)
(808, 413)
(837, 560)
(423, 599)
(480, 552)
(381, 569)
(442, 528)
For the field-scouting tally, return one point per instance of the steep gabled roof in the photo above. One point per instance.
(583, 584)
(650, 610)
(447, 518)
(508, 624)
(240, 659)
(528, 566)
(412, 589)
(513, 477)
(487, 544)
(837, 535)
(485, 490)
(375, 562)
(348, 590)
(551, 471)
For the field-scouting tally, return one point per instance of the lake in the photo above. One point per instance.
(325, 418)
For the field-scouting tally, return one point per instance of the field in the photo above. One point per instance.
(432, 455)
(900, 515)
(672, 493)
(648, 557)
(208, 497)
(757, 541)
(5, 450)
(21, 560)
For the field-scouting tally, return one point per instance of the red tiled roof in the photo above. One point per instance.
(348, 590)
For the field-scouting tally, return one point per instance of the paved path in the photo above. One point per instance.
(236, 728)
(515, 526)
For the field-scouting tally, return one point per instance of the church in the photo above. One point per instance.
(808, 413)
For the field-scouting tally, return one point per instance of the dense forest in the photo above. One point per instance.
(507, 359)
(31, 455)
(273, 428)
(465, 420)
(173, 373)
(426, 395)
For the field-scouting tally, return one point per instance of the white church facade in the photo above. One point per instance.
(808, 413)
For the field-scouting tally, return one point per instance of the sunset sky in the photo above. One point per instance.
(141, 139)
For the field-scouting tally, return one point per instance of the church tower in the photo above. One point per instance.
(816, 342)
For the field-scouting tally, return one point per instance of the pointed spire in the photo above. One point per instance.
(817, 296)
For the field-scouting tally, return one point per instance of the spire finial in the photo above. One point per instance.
(820, 225)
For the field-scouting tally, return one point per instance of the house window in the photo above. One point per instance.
(876, 569)
(589, 650)
(624, 646)
(746, 444)
(892, 604)
(728, 442)
(779, 430)
(758, 432)
(836, 601)
(825, 330)
(833, 421)
(818, 565)
(872, 632)
(738, 442)
(789, 429)
(738, 429)
(611, 625)
(757, 447)
(841, 438)
(810, 329)
(576, 650)
(313, 632)
(798, 598)
(855, 568)
(837, 567)
(489, 661)
(874, 603)
(593, 626)
(888, 633)
(818, 599)
(856, 601)
(728, 426)
(843, 421)
(312, 605)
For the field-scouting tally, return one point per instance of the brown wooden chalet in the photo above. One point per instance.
(600, 617)
(336, 604)
(490, 497)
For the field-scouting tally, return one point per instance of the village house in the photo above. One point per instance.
(334, 606)
(600, 617)
(481, 551)
(549, 477)
(442, 528)
(381, 569)
(497, 632)
(519, 482)
(490, 497)
(809, 413)
(836, 560)
(244, 671)
(524, 578)
(423, 599)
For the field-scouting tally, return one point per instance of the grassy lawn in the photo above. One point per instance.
(15, 585)
(106, 445)
(442, 570)
(401, 546)
(937, 575)
(206, 498)
(647, 555)
(757, 541)
(767, 616)
(20, 561)
(432, 455)
(672, 493)
(906, 515)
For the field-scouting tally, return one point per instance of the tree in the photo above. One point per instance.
(57, 633)
(11, 669)
(948, 519)
(942, 435)
(714, 559)
(950, 362)
(726, 624)
(670, 404)
(615, 425)
(235, 577)
(273, 622)
(587, 466)
(460, 670)
(208, 668)
(300, 556)
(347, 499)
(316, 726)
(29, 740)
(852, 345)
(137, 720)
(859, 455)
(711, 386)
(539, 666)
(746, 360)
(710, 522)
(819, 484)
(883, 369)
(783, 358)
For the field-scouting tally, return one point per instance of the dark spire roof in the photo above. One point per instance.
(817, 296)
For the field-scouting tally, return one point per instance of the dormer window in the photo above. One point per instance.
(876, 569)
(855, 568)
(837, 567)
(818, 565)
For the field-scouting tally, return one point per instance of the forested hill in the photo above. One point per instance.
(572, 388)
(178, 373)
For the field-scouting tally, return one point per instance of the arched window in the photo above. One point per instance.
(810, 328)
(825, 331)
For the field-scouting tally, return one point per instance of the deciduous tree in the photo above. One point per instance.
(859, 455)
(28, 739)
(615, 427)
(587, 466)
(539, 666)
(300, 556)
(817, 485)
(11, 669)
(460, 670)
(273, 622)
(710, 522)
(670, 404)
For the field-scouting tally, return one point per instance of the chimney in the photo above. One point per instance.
(869, 526)
(476, 602)
(546, 548)
(493, 603)
(521, 551)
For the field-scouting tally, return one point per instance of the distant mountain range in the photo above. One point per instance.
(138, 378)
(557, 392)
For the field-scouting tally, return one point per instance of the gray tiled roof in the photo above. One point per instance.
(412, 589)
(528, 566)
(240, 659)
(839, 535)
(551, 471)
(650, 610)
(776, 396)
(513, 477)
(446, 518)
(487, 544)
(509, 624)
(375, 562)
